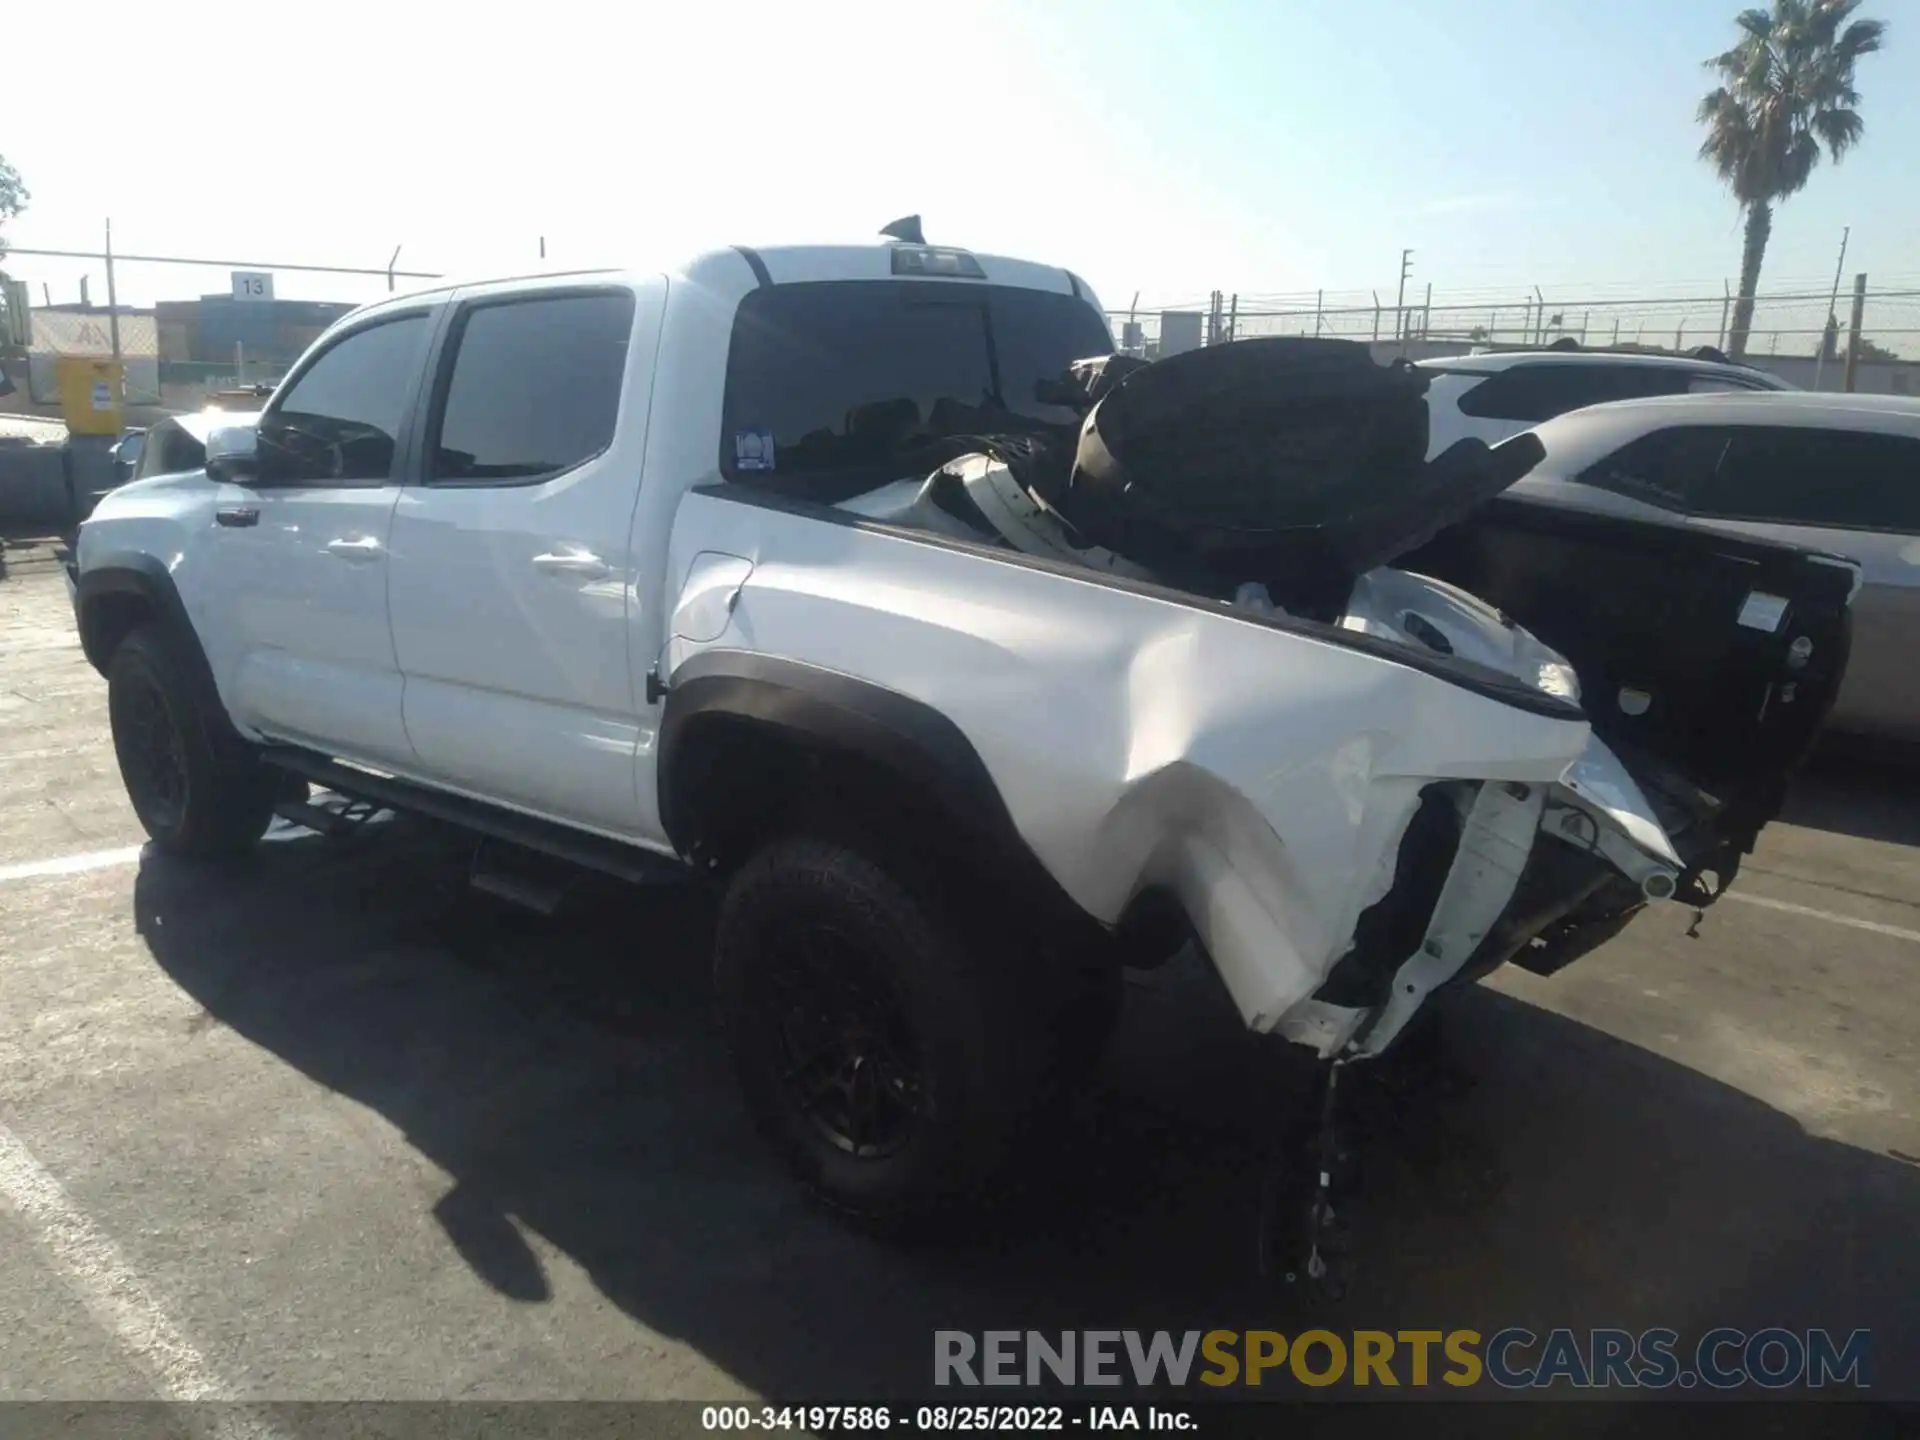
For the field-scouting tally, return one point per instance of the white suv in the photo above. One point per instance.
(1489, 397)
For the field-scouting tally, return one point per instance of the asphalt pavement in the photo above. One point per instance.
(326, 1125)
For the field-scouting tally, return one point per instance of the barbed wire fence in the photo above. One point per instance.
(1801, 329)
(1792, 324)
(77, 305)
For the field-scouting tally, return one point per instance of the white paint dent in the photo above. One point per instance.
(1265, 776)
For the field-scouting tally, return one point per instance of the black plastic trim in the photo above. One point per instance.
(131, 572)
(761, 275)
(1478, 679)
(1073, 283)
(562, 842)
(929, 755)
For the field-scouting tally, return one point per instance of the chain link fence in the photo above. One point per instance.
(185, 332)
(1789, 330)
(188, 330)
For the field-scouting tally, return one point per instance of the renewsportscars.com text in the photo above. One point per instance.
(1513, 1358)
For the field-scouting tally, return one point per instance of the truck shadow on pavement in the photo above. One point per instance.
(1859, 788)
(568, 1074)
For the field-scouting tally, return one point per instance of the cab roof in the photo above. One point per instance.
(751, 266)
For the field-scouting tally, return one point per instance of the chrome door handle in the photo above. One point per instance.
(582, 563)
(362, 549)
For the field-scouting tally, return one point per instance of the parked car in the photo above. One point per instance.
(1840, 473)
(126, 454)
(1492, 396)
(648, 571)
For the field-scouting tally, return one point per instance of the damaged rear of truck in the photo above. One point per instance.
(1468, 732)
(1499, 748)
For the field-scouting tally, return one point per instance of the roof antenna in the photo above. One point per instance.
(906, 230)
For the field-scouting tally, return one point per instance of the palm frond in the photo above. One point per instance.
(1840, 130)
(1862, 37)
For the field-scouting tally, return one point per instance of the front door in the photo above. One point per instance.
(302, 553)
(511, 583)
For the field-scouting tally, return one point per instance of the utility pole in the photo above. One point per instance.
(1853, 329)
(1319, 300)
(1426, 313)
(1820, 354)
(1539, 316)
(1726, 302)
(113, 309)
(1400, 304)
(543, 247)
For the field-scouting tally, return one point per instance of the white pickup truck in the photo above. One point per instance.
(602, 565)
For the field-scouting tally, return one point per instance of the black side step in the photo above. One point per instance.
(521, 877)
(308, 816)
(594, 852)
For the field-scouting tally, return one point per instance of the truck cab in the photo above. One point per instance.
(470, 491)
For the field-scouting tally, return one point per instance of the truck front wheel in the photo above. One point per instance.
(881, 1048)
(196, 789)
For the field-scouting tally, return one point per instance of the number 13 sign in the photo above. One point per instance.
(252, 285)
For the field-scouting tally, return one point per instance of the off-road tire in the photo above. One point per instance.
(217, 798)
(972, 1034)
(1085, 1011)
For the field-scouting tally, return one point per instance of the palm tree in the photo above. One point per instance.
(1786, 89)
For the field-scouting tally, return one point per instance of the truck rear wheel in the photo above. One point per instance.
(197, 789)
(886, 1057)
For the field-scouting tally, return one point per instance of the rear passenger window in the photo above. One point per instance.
(1533, 393)
(834, 387)
(1668, 467)
(1840, 478)
(532, 389)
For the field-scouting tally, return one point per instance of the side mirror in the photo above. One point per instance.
(233, 455)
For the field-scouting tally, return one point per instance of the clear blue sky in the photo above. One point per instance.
(1251, 147)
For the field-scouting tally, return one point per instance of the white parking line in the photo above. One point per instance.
(114, 1295)
(1851, 922)
(71, 864)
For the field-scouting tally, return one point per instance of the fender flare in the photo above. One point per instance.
(825, 710)
(137, 574)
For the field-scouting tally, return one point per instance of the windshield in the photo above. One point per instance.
(837, 387)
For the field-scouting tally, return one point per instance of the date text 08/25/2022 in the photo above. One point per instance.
(824, 1419)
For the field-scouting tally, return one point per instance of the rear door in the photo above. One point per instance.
(1851, 493)
(512, 584)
